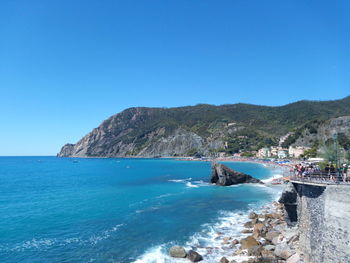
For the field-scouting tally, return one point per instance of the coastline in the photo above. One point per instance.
(216, 241)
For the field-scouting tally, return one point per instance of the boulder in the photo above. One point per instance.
(177, 252)
(273, 215)
(283, 251)
(256, 234)
(269, 247)
(259, 230)
(266, 260)
(271, 235)
(252, 215)
(255, 251)
(248, 242)
(259, 227)
(248, 224)
(277, 240)
(193, 256)
(224, 176)
(224, 260)
(294, 258)
(267, 254)
(293, 239)
(235, 242)
(247, 231)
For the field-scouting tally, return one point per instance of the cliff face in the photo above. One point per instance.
(133, 133)
(150, 132)
(324, 131)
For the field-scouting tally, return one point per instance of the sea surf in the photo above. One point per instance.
(120, 210)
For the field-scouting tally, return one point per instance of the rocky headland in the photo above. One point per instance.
(224, 176)
(206, 129)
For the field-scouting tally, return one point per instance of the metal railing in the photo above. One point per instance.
(321, 177)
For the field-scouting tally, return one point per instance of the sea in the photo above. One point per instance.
(121, 210)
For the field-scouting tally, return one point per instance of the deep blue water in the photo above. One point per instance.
(113, 210)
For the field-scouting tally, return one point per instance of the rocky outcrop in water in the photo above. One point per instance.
(177, 252)
(224, 176)
(180, 252)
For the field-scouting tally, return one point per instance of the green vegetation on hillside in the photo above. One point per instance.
(243, 127)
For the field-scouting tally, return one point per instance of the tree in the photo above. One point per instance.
(333, 152)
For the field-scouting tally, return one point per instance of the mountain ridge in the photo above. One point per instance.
(203, 128)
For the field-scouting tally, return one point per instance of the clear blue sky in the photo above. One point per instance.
(67, 65)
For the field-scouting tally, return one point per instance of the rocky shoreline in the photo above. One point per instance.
(266, 239)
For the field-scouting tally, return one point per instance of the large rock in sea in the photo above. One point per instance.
(193, 256)
(222, 175)
(177, 252)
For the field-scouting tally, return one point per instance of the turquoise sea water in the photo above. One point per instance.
(116, 210)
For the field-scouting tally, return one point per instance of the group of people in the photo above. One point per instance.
(330, 172)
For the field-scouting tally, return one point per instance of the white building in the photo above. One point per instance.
(264, 153)
(297, 151)
(282, 154)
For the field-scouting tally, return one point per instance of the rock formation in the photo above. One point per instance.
(222, 175)
(180, 252)
(177, 252)
(289, 199)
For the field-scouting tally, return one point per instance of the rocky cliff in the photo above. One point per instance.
(324, 131)
(150, 132)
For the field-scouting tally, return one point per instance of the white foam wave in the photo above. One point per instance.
(209, 241)
(38, 244)
(202, 183)
(158, 254)
(271, 179)
(104, 235)
(190, 185)
(212, 240)
(152, 208)
(180, 180)
(163, 195)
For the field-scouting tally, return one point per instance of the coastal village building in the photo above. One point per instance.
(282, 154)
(297, 151)
(274, 150)
(264, 153)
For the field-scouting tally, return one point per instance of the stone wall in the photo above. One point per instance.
(324, 222)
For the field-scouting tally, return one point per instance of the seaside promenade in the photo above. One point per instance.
(321, 179)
